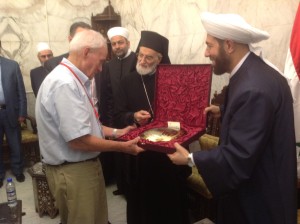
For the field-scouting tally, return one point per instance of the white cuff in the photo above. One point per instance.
(191, 162)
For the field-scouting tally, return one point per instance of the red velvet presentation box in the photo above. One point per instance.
(182, 93)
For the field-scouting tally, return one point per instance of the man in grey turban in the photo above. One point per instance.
(252, 173)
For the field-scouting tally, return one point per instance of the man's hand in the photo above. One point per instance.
(21, 119)
(180, 157)
(131, 147)
(142, 117)
(214, 110)
(123, 131)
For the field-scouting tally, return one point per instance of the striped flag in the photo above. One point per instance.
(292, 73)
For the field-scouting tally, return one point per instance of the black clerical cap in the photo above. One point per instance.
(155, 42)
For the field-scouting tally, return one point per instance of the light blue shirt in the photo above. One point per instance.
(63, 113)
(2, 98)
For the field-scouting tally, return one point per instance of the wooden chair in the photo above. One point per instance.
(214, 124)
(30, 143)
(44, 202)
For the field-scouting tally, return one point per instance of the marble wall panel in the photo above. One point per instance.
(25, 23)
(179, 21)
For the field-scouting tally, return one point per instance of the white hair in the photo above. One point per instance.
(87, 38)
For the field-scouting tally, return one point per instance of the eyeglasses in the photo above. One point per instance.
(148, 58)
(46, 55)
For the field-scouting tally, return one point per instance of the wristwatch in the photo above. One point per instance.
(114, 133)
(190, 161)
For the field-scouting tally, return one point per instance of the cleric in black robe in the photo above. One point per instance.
(252, 172)
(38, 74)
(157, 192)
(108, 83)
(121, 64)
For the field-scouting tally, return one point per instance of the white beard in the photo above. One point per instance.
(145, 71)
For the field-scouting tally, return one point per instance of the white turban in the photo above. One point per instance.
(232, 27)
(42, 46)
(117, 31)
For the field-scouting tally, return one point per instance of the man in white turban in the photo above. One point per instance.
(122, 62)
(44, 52)
(252, 173)
(38, 74)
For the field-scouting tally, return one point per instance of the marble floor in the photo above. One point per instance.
(116, 204)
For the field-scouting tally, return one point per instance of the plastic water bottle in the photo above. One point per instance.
(11, 197)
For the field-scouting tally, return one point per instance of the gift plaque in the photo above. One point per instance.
(161, 134)
(181, 94)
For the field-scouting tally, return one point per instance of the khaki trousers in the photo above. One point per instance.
(79, 192)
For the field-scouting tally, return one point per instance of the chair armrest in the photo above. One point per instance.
(208, 142)
(196, 182)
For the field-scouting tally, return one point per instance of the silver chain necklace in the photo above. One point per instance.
(147, 95)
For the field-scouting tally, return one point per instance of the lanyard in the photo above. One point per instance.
(71, 70)
(147, 96)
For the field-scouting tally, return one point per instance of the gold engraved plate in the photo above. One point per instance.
(161, 134)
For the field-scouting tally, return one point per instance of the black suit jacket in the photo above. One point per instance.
(14, 91)
(53, 62)
(37, 76)
(253, 170)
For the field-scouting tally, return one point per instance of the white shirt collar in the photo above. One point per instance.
(127, 54)
(239, 65)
